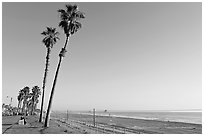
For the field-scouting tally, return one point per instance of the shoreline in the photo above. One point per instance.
(139, 118)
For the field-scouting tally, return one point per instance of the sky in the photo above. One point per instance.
(126, 56)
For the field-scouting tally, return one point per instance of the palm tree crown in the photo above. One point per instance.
(69, 19)
(20, 98)
(51, 37)
(35, 92)
(34, 97)
(25, 91)
(20, 95)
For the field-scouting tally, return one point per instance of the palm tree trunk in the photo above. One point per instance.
(47, 119)
(32, 107)
(35, 105)
(44, 81)
(51, 96)
(18, 106)
(23, 106)
(67, 39)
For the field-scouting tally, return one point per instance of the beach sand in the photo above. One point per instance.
(82, 124)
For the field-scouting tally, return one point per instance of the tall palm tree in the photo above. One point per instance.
(34, 97)
(69, 22)
(51, 37)
(20, 99)
(26, 91)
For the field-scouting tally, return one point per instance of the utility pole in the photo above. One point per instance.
(94, 121)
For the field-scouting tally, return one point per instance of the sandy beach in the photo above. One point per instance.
(83, 124)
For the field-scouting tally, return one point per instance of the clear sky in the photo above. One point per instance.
(127, 56)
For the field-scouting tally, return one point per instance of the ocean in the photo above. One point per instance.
(181, 116)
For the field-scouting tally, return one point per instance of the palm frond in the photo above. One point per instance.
(74, 8)
(44, 33)
(63, 14)
(70, 8)
(61, 11)
(80, 14)
(63, 24)
(75, 26)
(56, 33)
(53, 30)
(49, 29)
(77, 16)
(57, 38)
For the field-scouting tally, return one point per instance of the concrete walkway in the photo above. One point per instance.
(10, 126)
(8, 122)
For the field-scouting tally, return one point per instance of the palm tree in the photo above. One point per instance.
(26, 91)
(34, 97)
(69, 23)
(20, 99)
(29, 105)
(49, 40)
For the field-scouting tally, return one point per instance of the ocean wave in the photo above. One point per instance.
(159, 117)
